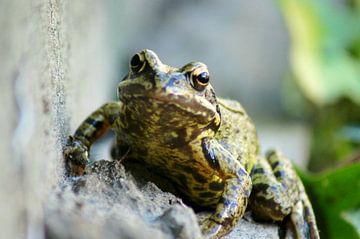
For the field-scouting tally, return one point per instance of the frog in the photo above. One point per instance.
(171, 120)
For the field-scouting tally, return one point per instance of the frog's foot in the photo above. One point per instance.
(302, 216)
(231, 206)
(278, 192)
(212, 229)
(235, 194)
(76, 157)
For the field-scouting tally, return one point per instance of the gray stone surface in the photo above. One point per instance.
(37, 46)
(110, 203)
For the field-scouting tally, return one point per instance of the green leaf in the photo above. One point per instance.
(353, 218)
(335, 196)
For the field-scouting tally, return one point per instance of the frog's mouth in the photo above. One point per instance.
(193, 105)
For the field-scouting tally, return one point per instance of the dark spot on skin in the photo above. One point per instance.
(275, 164)
(218, 110)
(258, 171)
(270, 154)
(198, 177)
(79, 134)
(209, 154)
(196, 132)
(207, 195)
(260, 187)
(174, 142)
(194, 173)
(216, 186)
(94, 122)
(279, 174)
(245, 202)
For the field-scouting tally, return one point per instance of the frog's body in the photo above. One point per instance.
(170, 119)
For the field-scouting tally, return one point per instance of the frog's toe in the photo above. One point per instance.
(303, 218)
(211, 229)
(76, 157)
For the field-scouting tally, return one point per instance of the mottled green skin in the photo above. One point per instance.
(206, 146)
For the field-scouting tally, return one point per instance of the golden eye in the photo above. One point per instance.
(137, 63)
(200, 80)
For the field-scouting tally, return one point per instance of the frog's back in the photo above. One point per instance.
(237, 133)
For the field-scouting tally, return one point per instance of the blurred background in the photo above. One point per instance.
(293, 64)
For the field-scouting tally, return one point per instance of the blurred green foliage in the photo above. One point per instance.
(325, 62)
(336, 201)
(325, 51)
(335, 135)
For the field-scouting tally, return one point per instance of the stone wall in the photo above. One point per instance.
(51, 54)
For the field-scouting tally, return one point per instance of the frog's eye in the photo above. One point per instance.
(137, 63)
(200, 80)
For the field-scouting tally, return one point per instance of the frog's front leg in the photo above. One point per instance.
(279, 192)
(76, 151)
(237, 188)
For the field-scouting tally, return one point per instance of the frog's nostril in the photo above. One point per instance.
(174, 80)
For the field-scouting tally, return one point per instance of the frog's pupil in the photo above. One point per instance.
(135, 61)
(203, 77)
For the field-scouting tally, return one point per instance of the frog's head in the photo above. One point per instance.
(170, 98)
